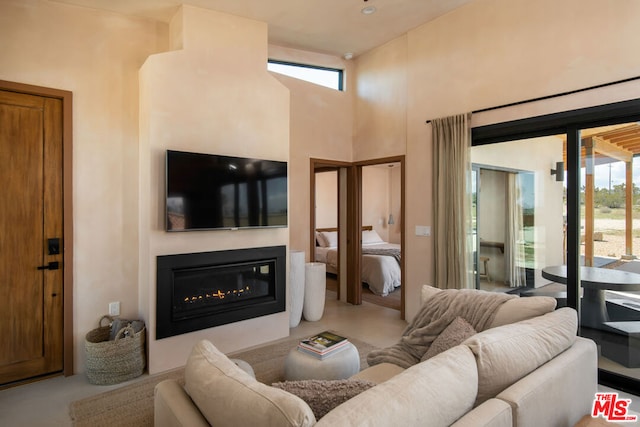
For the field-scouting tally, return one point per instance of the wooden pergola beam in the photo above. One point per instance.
(602, 146)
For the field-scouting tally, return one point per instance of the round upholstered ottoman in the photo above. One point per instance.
(301, 366)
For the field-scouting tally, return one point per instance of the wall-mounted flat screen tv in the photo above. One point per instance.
(207, 192)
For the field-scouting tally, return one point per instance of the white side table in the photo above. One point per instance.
(301, 366)
(315, 287)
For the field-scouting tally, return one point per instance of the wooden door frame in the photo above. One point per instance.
(66, 98)
(354, 221)
(318, 165)
(357, 221)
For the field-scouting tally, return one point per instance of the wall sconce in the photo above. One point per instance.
(390, 221)
(558, 171)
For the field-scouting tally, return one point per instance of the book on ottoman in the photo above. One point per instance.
(323, 344)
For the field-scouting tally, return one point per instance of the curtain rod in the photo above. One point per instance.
(557, 95)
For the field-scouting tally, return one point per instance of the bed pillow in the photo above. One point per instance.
(370, 237)
(324, 395)
(457, 332)
(329, 239)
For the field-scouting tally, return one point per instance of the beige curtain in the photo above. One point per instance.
(514, 241)
(452, 201)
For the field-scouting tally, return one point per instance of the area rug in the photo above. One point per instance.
(132, 405)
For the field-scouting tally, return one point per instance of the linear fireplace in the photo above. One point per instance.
(201, 290)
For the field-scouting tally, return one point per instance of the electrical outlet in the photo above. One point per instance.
(114, 308)
(423, 230)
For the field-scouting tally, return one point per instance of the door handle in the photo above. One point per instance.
(53, 265)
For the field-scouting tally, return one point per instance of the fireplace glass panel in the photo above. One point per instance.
(201, 290)
(198, 291)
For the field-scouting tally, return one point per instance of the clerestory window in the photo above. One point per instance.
(323, 76)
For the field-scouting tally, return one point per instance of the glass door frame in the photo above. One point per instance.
(568, 123)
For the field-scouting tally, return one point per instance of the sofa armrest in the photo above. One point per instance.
(172, 407)
(559, 392)
(492, 413)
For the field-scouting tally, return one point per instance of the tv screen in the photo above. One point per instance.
(206, 192)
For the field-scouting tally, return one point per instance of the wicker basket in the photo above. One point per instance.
(115, 361)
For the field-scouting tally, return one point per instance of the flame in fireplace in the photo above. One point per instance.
(218, 295)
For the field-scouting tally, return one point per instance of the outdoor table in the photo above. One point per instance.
(595, 282)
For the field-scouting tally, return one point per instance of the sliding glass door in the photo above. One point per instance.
(610, 239)
(560, 194)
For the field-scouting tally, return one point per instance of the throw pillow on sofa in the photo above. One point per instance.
(324, 395)
(454, 334)
(228, 396)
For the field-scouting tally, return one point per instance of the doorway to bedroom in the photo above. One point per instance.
(361, 202)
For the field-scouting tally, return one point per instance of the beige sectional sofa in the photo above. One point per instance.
(534, 372)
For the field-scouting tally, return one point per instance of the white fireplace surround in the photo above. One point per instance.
(239, 110)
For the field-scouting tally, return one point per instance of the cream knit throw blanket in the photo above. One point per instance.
(475, 306)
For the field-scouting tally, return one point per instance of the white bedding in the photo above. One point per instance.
(380, 272)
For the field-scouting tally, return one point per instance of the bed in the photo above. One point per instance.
(380, 259)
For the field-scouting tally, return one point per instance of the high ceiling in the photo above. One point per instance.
(335, 27)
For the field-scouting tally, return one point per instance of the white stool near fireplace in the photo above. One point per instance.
(315, 287)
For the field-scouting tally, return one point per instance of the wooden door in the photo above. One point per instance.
(31, 284)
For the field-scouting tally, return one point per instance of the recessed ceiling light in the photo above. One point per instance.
(368, 10)
(348, 55)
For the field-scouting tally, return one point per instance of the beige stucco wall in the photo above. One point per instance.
(395, 202)
(212, 96)
(321, 128)
(381, 104)
(484, 54)
(375, 199)
(96, 55)
(326, 199)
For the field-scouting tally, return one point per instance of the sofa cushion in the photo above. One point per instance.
(435, 392)
(228, 396)
(324, 395)
(507, 353)
(513, 310)
(517, 309)
(454, 334)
